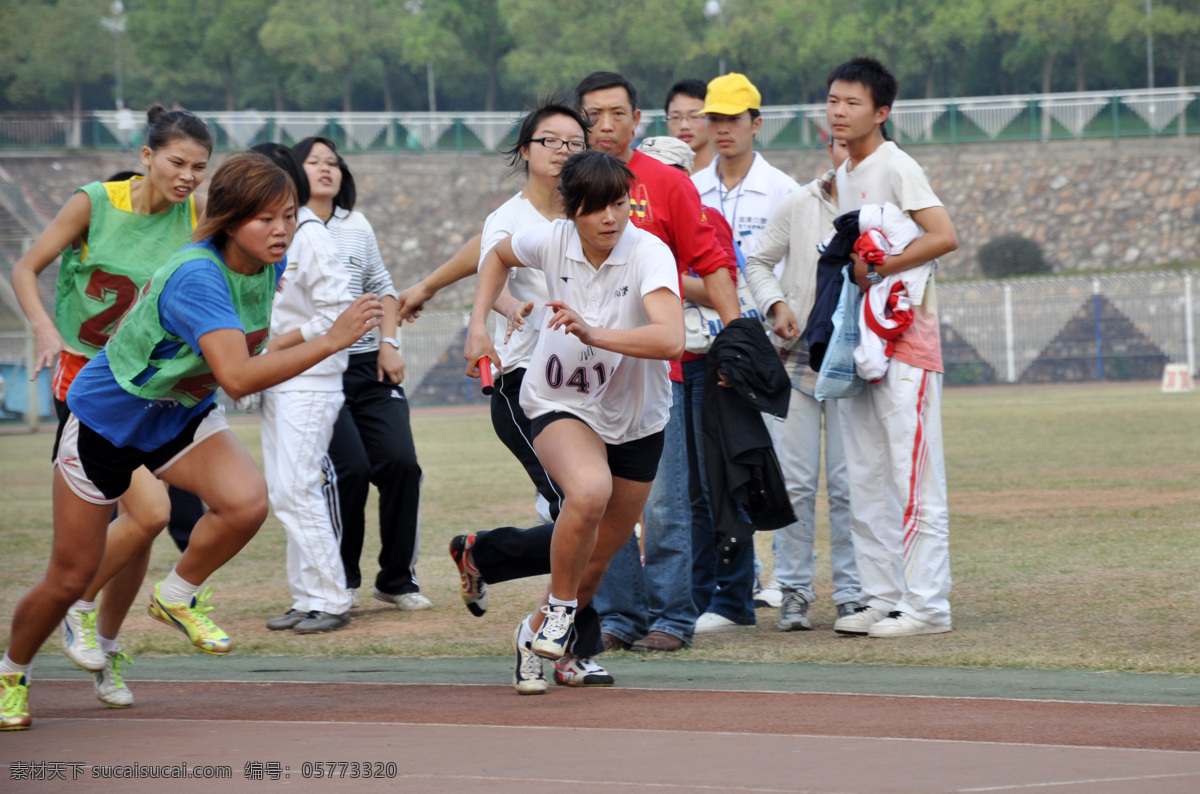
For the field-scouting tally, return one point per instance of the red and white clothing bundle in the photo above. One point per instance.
(885, 230)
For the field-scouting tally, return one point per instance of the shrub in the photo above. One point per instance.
(1012, 255)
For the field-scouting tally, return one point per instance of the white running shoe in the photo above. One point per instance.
(552, 637)
(900, 624)
(712, 623)
(858, 623)
(409, 602)
(528, 678)
(110, 682)
(79, 640)
(355, 601)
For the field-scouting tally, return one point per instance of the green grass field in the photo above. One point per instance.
(1074, 517)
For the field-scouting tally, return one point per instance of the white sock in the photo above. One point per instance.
(107, 645)
(8, 666)
(84, 606)
(177, 590)
(527, 634)
(556, 602)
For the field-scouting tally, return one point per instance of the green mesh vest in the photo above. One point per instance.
(97, 285)
(156, 365)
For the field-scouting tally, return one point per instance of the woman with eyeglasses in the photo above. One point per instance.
(112, 236)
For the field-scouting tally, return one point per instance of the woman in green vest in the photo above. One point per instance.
(112, 237)
(149, 399)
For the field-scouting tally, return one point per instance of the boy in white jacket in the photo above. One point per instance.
(799, 224)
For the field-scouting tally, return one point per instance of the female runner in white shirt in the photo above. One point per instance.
(596, 389)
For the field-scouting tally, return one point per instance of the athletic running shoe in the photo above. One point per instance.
(859, 622)
(110, 682)
(899, 624)
(552, 637)
(287, 621)
(79, 640)
(14, 707)
(317, 622)
(355, 601)
(528, 678)
(580, 671)
(712, 623)
(793, 613)
(474, 589)
(409, 602)
(192, 620)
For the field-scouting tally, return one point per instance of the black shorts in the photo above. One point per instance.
(99, 472)
(635, 460)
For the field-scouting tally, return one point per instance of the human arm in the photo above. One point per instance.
(315, 280)
(939, 239)
(241, 374)
(463, 264)
(64, 231)
(493, 272)
(389, 363)
(661, 338)
(773, 245)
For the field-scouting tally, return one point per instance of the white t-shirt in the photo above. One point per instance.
(313, 291)
(525, 285)
(622, 398)
(751, 204)
(889, 174)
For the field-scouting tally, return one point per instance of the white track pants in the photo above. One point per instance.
(296, 428)
(892, 435)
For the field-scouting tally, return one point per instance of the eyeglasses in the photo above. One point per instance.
(675, 118)
(574, 147)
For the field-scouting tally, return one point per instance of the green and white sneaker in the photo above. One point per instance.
(79, 640)
(110, 682)
(14, 702)
(192, 620)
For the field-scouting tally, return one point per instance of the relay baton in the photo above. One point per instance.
(485, 375)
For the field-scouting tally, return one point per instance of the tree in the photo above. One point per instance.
(325, 36)
(58, 46)
(1174, 24)
(480, 29)
(218, 40)
(1047, 28)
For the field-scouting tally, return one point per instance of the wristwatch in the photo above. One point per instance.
(390, 340)
(872, 276)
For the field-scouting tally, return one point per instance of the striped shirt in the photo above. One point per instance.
(359, 252)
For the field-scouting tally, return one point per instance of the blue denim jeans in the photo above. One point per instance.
(727, 590)
(633, 599)
(797, 440)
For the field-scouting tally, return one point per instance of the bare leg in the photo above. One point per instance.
(145, 510)
(120, 593)
(574, 457)
(222, 473)
(79, 535)
(624, 510)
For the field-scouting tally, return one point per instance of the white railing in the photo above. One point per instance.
(1016, 117)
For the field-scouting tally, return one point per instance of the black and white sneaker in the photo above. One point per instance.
(528, 678)
(580, 671)
(551, 640)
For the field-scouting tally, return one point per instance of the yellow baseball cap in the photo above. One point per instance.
(731, 94)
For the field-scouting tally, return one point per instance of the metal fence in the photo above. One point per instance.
(1086, 114)
(1111, 327)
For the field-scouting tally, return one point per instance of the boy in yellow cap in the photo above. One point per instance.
(745, 189)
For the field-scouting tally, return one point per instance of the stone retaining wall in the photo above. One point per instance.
(1092, 205)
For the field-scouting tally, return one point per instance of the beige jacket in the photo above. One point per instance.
(801, 222)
